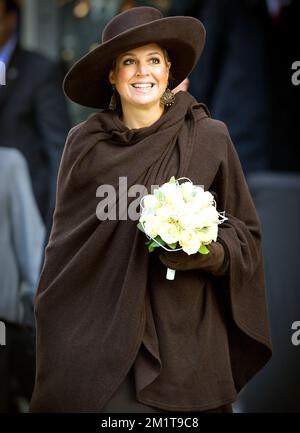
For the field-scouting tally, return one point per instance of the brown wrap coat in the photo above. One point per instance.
(103, 303)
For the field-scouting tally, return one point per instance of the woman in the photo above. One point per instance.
(113, 335)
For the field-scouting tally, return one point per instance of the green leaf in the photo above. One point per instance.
(173, 246)
(203, 250)
(152, 244)
(160, 240)
(139, 226)
(172, 179)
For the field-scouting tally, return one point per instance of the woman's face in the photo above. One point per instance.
(141, 76)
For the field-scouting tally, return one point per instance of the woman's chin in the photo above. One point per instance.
(145, 102)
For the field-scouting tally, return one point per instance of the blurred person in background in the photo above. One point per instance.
(33, 113)
(21, 243)
(247, 62)
(170, 7)
(282, 23)
(233, 73)
(79, 23)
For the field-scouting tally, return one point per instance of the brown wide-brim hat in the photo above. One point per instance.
(87, 82)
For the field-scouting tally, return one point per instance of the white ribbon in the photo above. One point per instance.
(170, 274)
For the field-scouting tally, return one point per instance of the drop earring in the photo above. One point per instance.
(113, 102)
(168, 98)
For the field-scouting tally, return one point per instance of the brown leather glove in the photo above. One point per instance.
(216, 261)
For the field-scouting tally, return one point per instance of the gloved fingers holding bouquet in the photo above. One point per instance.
(215, 262)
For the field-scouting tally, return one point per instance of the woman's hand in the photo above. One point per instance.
(214, 262)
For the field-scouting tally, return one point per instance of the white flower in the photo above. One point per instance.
(166, 214)
(189, 241)
(208, 234)
(151, 225)
(186, 219)
(207, 216)
(168, 232)
(150, 202)
(201, 200)
(188, 191)
(169, 195)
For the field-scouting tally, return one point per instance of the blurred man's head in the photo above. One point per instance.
(9, 13)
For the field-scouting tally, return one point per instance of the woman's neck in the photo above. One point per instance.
(135, 118)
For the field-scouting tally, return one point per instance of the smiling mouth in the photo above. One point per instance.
(145, 86)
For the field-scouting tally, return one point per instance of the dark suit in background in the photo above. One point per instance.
(284, 50)
(34, 119)
(247, 63)
(232, 76)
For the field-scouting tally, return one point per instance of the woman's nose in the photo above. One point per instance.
(142, 68)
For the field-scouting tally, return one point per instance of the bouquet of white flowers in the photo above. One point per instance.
(180, 216)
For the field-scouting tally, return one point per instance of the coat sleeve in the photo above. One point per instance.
(244, 282)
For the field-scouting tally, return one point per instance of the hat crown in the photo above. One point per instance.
(129, 19)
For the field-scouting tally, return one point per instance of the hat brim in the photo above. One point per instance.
(87, 82)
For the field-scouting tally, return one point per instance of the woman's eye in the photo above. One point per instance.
(127, 61)
(154, 60)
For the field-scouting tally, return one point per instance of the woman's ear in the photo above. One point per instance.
(168, 64)
(111, 77)
(169, 71)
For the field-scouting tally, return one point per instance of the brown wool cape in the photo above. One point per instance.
(103, 303)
